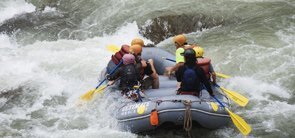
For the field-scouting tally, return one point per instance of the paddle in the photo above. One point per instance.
(222, 75)
(234, 96)
(113, 48)
(239, 122)
(217, 74)
(88, 95)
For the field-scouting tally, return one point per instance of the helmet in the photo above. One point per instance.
(128, 59)
(137, 41)
(189, 53)
(199, 51)
(179, 39)
(125, 48)
(135, 49)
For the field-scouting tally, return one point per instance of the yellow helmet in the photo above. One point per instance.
(180, 39)
(199, 51)
(137, 41)
(135, 49)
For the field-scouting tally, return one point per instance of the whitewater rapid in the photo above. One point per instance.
(41, 82)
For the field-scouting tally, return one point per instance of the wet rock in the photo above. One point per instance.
(34, 20)
(161, 28)
(33, 26)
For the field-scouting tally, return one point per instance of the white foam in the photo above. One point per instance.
(49, 9)
(256, 89)
(14, 7)
(67, 68)
(6, 42)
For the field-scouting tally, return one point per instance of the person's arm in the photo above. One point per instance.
(179, 74)
(205, 81)
(148, 69)
(115, 75)
(212, 72)
(175, 67)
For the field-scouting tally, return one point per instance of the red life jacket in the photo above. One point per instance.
(116, 58)
(204, 63)
(188, 93)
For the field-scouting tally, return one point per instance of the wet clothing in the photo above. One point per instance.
(129, 77)
(191, 78)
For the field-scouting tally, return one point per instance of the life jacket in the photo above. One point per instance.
(204, 63)
(129, 76)
(189, 79)
(179, 55)
(118, 55)
(188, 93)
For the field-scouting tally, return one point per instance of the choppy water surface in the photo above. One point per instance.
(54, 55)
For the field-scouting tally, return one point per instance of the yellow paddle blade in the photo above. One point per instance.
(214, 106)
(222, 75)
(88, 96)
(240, 123)
(100, 89)
(236, 97)
(113, 48)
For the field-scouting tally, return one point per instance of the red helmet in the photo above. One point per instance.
(128, 59)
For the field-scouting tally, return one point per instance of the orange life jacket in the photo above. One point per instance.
(116, 58)
(204, 63)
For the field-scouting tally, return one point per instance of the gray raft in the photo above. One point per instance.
(135, 117)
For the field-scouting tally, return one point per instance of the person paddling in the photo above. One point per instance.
(180, 42)
(190, 76)
(115, 59)
(205, 64)
(145, 68)
(129, 76)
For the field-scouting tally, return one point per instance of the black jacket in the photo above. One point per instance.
(129, 76)
(200, 79)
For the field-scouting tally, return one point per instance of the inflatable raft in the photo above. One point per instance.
(162, 106)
